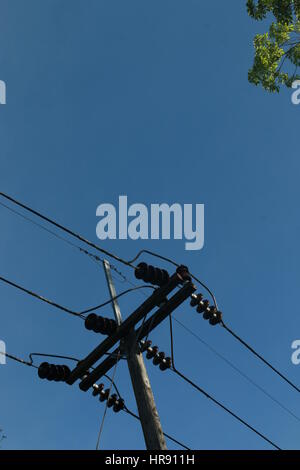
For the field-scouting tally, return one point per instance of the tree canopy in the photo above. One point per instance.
(277, 52)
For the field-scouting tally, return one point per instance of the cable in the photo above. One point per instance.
(116, 297)
(225, 408)
(93, 257)
(207, 395)
(65, 229)
(93, 245)
(17, 359)
(37, 296)
(168, 260)
(51, 355)
(259, 356)
(239, 371)
(65, 309)
(106, 405)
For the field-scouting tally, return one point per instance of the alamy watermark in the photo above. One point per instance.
(295, 357)
(2, 353)
(296, 94)
(2, 92)
(160, 221)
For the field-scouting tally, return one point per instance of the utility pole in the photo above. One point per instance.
(151, 426)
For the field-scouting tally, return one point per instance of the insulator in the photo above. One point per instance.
(195, 299)
(149, 273)
(97, 388)
(158, 358)
(43, 370)
(100, 324)
(209, 312)
(203, 305)
(165, 364)
(183, 271)
(104, 394)
(151, 352)
(90, 321)
(145, 345)
(112, 400)
(58, 373)
(140, 270)
(52, 374)
(65, 372)
(216, 318)
(119, 405)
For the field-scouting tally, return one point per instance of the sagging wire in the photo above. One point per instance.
(66, 230)
(92, 256)
(207, 395)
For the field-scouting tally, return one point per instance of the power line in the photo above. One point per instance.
(210, 397)
(116, 297)
(259, 356)
(239, 371)
(92, 256)
(65, 309)
(17, 359)
(93, 245)
(207, 395)
(65, 229)
(37, 296)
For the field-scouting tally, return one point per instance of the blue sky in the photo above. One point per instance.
(148, 99)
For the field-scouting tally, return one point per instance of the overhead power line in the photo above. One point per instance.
(66, 230)
(37, 296)
(235, 368)
(259, 356)
(92, 256)
(116, 297)
(242, 421)
(96, 247)
(65, 309)
(210, 397)
(17, 359)
(215, 317)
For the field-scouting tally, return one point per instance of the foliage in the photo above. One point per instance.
(277, 52)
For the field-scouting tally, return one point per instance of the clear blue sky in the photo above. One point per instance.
(148, 99)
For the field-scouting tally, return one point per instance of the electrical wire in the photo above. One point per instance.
(92, 256)
(239, 371)
(65, 309)
(222, 322)
(210, 397)
(116, 297)
(242, 421)
(69, 358)
(65, 229)
(17, 359)
(259, 356)
(37, 296)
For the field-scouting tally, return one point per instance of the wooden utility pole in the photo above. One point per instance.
(151, 426)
